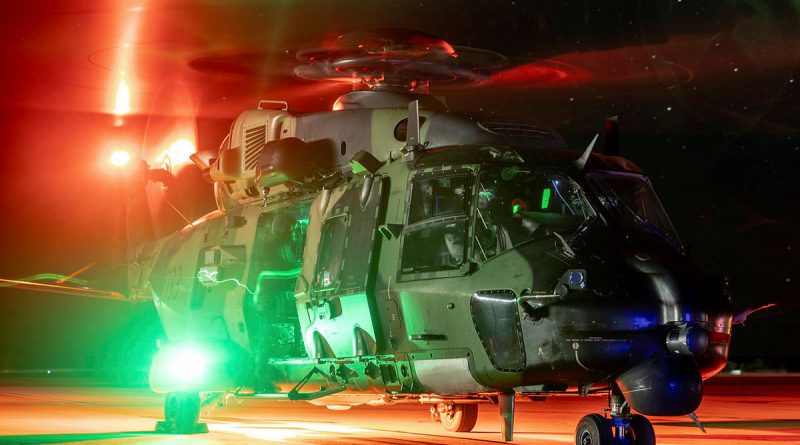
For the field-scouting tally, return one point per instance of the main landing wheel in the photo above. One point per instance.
(642, 430)
(460, 417)
(593, 429)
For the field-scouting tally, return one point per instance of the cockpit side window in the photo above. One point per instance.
(434, 197)
(435, 234)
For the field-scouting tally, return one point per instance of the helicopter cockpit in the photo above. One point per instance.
(517, 205)
(507, 202)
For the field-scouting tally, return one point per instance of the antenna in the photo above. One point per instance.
(412, 132)
(581, 162)
(412, 128)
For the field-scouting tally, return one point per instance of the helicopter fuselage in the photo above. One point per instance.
(487, 262)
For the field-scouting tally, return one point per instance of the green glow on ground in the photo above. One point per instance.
(70, 438)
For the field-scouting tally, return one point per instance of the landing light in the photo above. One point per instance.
(188, 364)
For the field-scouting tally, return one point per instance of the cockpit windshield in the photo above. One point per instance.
(516, 205)
(631, 199)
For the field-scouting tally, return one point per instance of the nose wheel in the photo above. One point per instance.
(593, 429)
(181, 414)
(620, 428)
(642, 430)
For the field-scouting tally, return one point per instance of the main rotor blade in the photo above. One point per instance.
(64, 290)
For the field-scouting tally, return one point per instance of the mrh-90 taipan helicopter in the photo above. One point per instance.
(388, 251)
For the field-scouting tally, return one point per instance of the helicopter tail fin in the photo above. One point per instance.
(611, 136)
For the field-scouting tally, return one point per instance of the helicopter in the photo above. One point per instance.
(389, 251)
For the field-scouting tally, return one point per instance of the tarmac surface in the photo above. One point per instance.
(747, 410)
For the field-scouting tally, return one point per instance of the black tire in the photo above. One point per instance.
(461, 419)
(593, 429)
(642, 429)
(182, 411)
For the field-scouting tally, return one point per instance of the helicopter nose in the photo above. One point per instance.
(686, 299)
(693, 309)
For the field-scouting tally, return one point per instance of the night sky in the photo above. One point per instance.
(707, 94)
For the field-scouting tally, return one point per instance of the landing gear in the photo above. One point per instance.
(593, 429)
(620, 428)
(642, 430)
(456, 417)
(461, 417)
(181, 414)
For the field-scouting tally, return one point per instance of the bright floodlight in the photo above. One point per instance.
(179, 151)
(188, 364)
(120, 158)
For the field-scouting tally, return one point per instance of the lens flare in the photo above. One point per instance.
(122, 102)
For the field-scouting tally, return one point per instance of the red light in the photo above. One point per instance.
(122, 100)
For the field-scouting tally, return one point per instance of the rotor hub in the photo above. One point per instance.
(391, 59)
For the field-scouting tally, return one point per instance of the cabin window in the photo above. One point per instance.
(331, 246)
(435, 235)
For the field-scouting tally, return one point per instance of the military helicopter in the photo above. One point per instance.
(389, 251)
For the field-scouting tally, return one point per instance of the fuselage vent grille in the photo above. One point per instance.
(255, 138)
